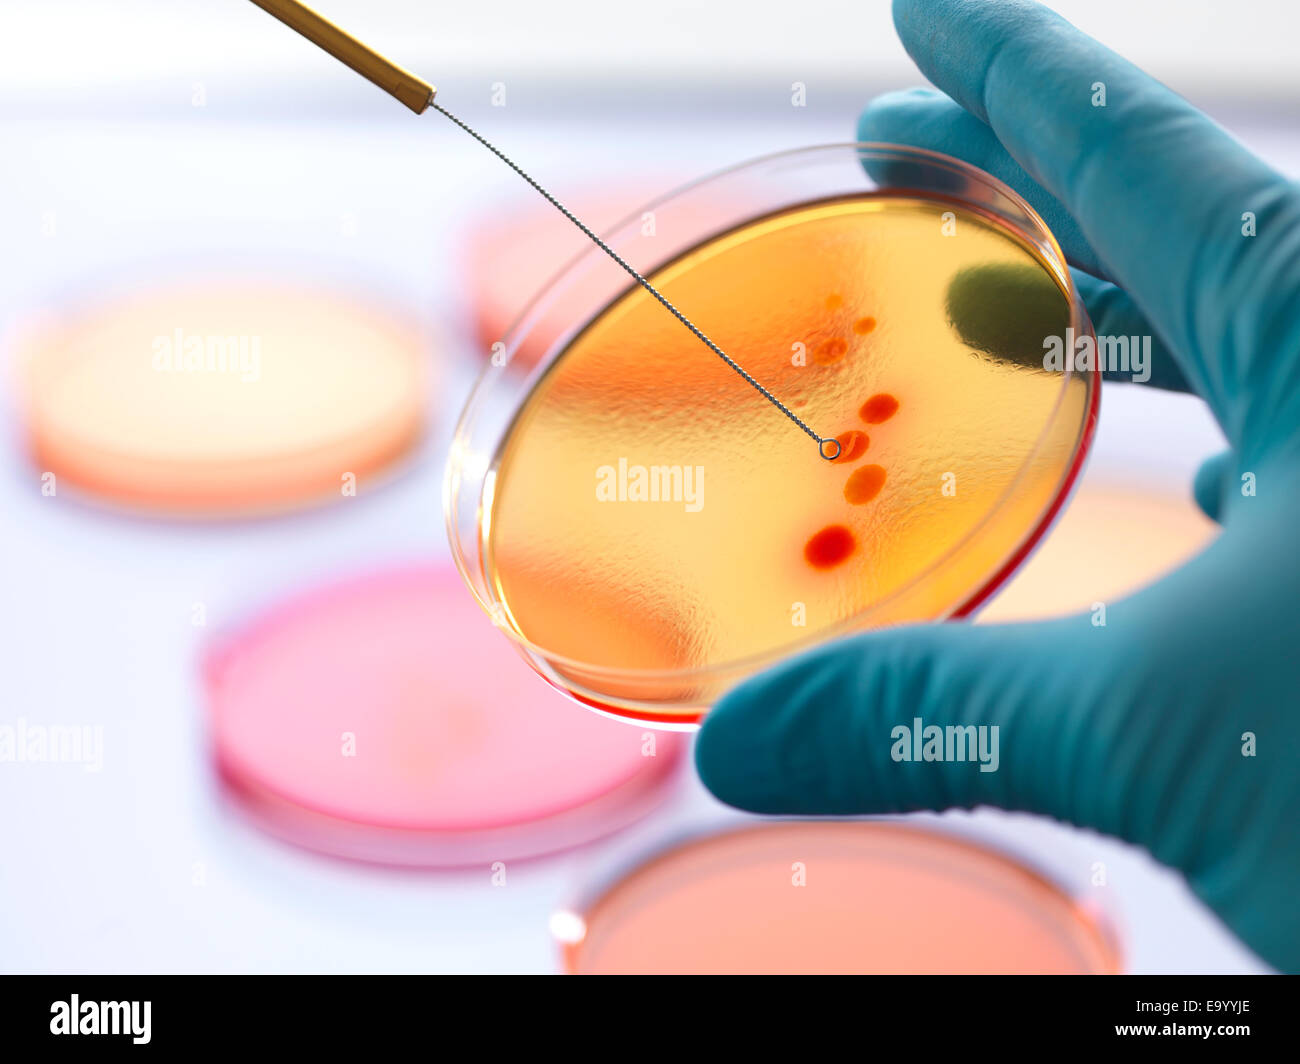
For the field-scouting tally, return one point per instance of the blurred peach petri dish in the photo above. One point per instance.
(1159, 531)
(810, 897)
(895, 300)
(217, 397)
(382, 719)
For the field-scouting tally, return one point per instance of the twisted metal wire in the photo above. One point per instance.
(823, 442)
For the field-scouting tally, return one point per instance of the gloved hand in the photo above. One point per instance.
(1138, 728)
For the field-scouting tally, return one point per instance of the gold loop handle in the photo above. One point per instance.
(398, 83)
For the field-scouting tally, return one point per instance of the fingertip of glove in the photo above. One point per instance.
(723, 754)
(1207, 487)
(887, 116)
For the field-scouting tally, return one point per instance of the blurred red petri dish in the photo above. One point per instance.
(383, 719)
(513, 251)
(834, 897)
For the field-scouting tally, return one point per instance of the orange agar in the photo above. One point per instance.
(879, 408)
(852, 445)
(834, 301)
(831, 350)
(829, 547)
(864, 484)
(864, 325)
(607, 395)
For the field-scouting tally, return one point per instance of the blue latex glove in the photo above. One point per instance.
(1135, 728)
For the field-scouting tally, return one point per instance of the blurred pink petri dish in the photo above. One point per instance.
(383, 719)
(222, 396)
(877, 898)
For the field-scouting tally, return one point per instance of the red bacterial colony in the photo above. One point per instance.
(831, 350)
(829, 547)
(879, 408)
(864, 484)
(834, 544)
(852, 445)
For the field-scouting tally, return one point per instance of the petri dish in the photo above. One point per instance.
(382, 719)
(827, 897)
(221, 396)
(1160, 530)
(519, 248)
(894, 298)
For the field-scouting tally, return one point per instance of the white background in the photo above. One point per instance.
(98, 871)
